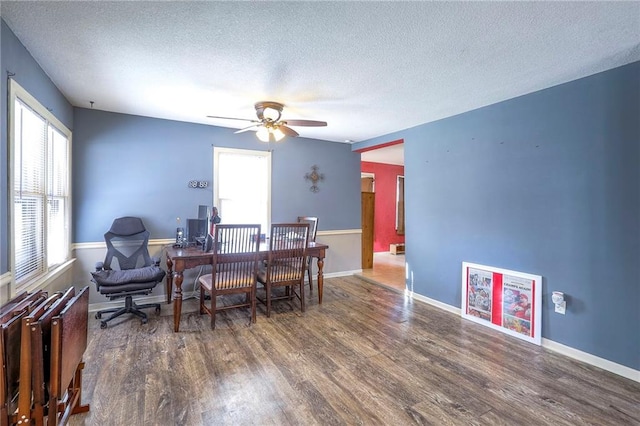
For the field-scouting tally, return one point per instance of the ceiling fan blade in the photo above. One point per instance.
(308, 123)
(253, 126)
(233, 118)
(288, 131)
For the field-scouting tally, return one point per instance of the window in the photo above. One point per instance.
(242, 186)
(40, 152)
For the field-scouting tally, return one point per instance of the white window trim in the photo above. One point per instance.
(216, 161)
(41, 281)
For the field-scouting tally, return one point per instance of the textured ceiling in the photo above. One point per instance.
(367, 68)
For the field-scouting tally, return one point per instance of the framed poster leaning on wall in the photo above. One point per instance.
(505, 300)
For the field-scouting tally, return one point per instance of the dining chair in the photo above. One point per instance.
(234, 269)
(313, 229)
(286, 260)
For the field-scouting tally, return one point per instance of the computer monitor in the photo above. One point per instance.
(203, 212)
(196, 230)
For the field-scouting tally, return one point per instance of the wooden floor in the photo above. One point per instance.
(388, 270)
(368, 355)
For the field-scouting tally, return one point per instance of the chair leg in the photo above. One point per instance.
(213, 309)
(310, 278)
(253, 304)
(115, 313)
(268, 288)
(129, 307)
(140, 314)
(302, 294)
(201, 301)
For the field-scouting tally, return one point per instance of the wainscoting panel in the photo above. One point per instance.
(343, 258)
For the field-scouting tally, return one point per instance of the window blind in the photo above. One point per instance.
(41, 195)
(29, 166)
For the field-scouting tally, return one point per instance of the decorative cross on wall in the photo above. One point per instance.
(314, 177)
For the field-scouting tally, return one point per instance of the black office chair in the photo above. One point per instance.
(138, 273)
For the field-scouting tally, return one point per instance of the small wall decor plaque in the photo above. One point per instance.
(314, 177)
(198, 184)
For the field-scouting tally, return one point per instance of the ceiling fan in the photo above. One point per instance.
(269, 126)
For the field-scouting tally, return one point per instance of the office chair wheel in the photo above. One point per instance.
(98, 315)
(144, 320)
(103, 324)
(158, 310)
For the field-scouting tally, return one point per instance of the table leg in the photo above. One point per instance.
(169, 281)
(177, 298)
(320, 277)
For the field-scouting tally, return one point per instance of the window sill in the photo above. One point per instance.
(46, 279)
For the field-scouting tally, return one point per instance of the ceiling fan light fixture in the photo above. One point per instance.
(277, 134)
(271, 114)
(268, 126)
(263, 134)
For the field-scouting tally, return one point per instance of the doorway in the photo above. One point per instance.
(383, 224)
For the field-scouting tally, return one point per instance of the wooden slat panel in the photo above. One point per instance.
(21, 303)
(4, 415)
(26, 356)
(69, 340)
(40, 336)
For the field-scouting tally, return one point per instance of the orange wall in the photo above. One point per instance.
(384, 232)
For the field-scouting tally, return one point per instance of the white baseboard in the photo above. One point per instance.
(94, 307)
(434, 302)
(587, 358)
(568, 351)
(339, 274)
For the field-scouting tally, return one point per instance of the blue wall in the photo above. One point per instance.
(547, 183)
(131, 165)
(14, 58)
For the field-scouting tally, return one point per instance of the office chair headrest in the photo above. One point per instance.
(126, 226)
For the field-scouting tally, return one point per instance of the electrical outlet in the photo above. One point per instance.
(561, 308)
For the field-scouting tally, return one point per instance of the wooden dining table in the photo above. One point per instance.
(181, 258)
